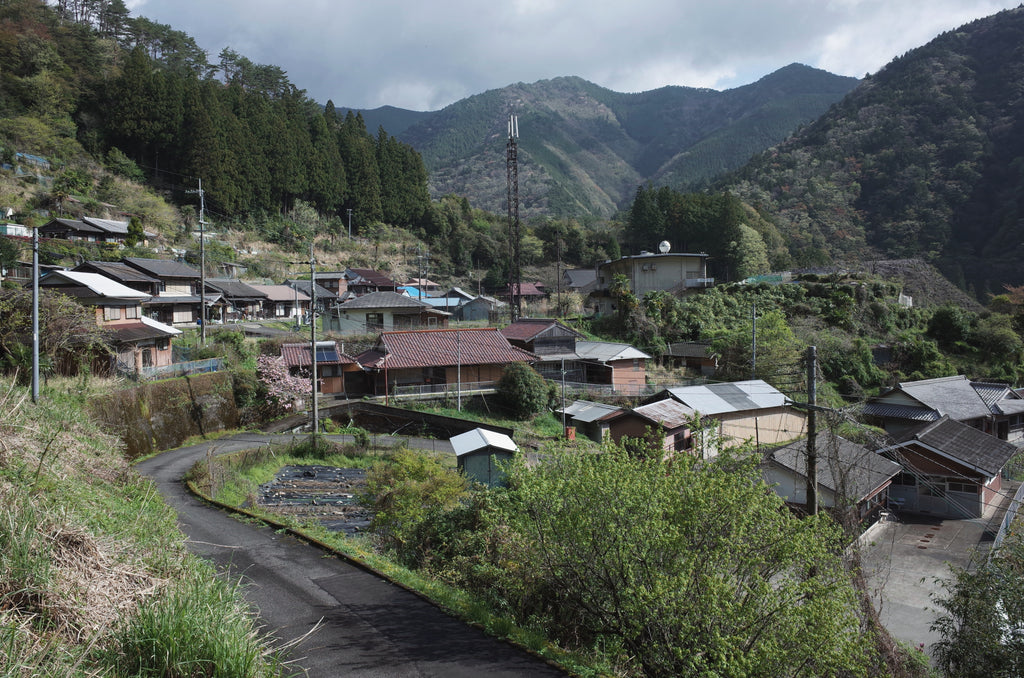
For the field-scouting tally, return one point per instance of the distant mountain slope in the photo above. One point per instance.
(394, 120)
(584, 149)
(925, 158)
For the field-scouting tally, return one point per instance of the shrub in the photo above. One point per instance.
(523, 390)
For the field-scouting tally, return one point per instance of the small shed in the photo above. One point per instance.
(480, 452)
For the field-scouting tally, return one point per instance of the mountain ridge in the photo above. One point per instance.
(584, 149)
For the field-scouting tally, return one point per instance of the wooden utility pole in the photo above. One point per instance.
(312, 342)
(812, 431)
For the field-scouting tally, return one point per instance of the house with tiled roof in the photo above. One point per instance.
(236, 300)
(560, 348)
(950, 469)
(850, 477)
(994, 408)
(666, 419)
(90, 229)
(333, 367)
(138, 341)
(122, 273)
(177, 300)
(362, 281)
(282, 302)
(325, 299)
(439, 360)
(384, 311)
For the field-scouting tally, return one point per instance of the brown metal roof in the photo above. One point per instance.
(297, 355)
(443, 347)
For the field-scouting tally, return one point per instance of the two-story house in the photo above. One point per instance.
(138, 341)
(176, 300)
(676, 273)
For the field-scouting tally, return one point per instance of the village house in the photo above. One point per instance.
(282, 302)
(139, 342)
(950, 469)
(89, 229)
(994, 408)
(851, 477)
(235, 300)
(362, 281)
(384, 311)
(676, 273)
(590, 419)
(442, 360)
(326, 300)
(335, 370)
(667, 420)
(177, 300)
(737, 413)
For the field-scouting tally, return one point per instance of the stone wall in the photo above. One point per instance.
(160, 415)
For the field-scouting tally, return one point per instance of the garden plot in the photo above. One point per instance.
(323, 493)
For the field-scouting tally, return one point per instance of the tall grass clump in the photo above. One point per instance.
(89, 551)
(194, 627)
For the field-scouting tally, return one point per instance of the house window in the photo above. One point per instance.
(374, 322)
(111, 313)
(163, 344)
(131, 312)
(905, 479)
(960, 486)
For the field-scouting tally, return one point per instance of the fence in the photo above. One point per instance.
(577, 388)
(443, 389)
(183, 369)
(1011, 515)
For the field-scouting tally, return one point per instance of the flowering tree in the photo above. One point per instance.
(282, 389)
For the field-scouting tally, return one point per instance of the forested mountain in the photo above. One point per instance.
(925, 158)
(84, 81)
(584, 149)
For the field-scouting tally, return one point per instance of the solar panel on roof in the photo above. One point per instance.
(326, 355)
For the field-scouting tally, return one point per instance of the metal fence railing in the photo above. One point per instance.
(1011, 515)
(182, 369)
(443, 389)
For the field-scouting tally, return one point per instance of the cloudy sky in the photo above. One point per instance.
(426, 55)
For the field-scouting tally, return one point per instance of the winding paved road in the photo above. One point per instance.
(369, 627)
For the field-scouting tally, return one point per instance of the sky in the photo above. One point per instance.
(425, 55)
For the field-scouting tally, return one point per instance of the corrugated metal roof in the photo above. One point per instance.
(297, 355)
(668, 412)
(587, 411)
(139, 330)
(480, 438)
(739, 396)
(606, 351)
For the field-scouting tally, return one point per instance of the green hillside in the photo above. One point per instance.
(584, 149)
(923, 159)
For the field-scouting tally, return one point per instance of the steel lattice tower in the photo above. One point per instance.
(515, 291)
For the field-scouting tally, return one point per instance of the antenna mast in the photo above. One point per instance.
(515, 292)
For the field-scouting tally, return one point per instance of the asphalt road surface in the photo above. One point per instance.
(367, 626)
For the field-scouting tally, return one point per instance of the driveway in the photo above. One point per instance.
(904, 559)
(368, 627)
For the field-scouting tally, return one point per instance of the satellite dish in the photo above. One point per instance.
(664, 246)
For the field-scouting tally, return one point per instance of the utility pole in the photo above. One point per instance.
(753, 341)
(515, 291)
(202, 262)
(349, 210)
(812, 431)
(35, 315)
(458, 360)
(312, 343)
